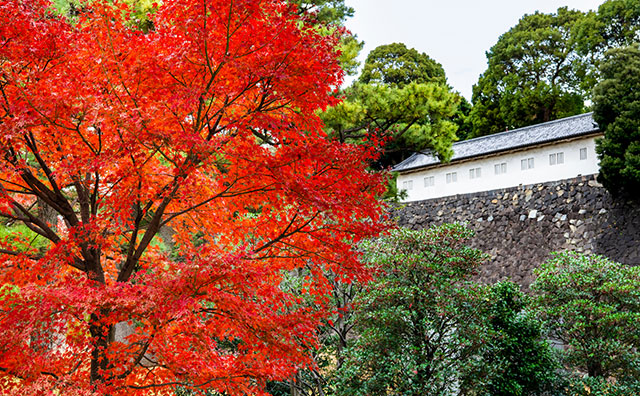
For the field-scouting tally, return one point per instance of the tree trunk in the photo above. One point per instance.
(102, 337)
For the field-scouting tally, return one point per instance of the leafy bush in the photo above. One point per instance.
(592, 305)
(419, 320)
(516, 359)
(598, 386)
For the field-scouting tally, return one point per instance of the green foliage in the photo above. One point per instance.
(415, 117)
(617, 110)
(615, 24)
(462, 119)
(402, 99)
(593, 306)
(395, 65)
(534, 74)
(330, 15)
(325, 11)
(546, 66)
(598, 386)
(516, 360)
(21, 238)
(140, 10)
(418, 320)
(350, 48)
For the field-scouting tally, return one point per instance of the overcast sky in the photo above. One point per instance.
(456, 33)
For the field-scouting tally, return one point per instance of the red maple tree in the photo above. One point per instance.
(203, 127)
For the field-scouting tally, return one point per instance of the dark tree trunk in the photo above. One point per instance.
(102, 336)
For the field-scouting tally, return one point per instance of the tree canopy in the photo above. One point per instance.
(533, 75)
(327, 11)
(401, 98)
(395, 65)
(547, 65)
(616, 105)
(204, 126)
(615, 24)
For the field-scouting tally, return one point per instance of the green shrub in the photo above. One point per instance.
(516, 359)
(418, 321)
(592, 305)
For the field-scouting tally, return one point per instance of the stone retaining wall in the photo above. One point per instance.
(519, 227)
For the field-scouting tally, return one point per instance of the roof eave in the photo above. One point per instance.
(594, 132)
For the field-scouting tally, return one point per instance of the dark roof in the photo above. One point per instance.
(565, 128)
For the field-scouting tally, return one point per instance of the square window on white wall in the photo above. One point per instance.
(474, 173)
(500, 168)
(556, 158)
(583, 153)
(452, 177)
(429, 181)
(526, 163)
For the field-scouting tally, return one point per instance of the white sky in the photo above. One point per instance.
(456, 33)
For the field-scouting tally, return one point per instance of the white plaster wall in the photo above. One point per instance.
(542, 172)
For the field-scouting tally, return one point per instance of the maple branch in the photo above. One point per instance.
(222, 194)
(15, 253)
(32, 221)
(152, 230)
(85, 141)
(137, 360)
(83, 199)
(95, 194)
(310, 253)
(284, 234)
(39, 227)
(31, 143)
(7, 181)
(75, 368)
(263, 136)
(189, 209)
(6, 370)
(136, 228)
(55, 199)
(5, 105)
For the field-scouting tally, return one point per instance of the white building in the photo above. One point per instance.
(551, 151)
